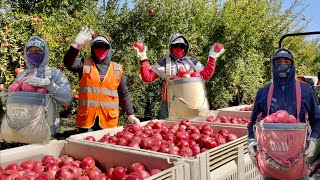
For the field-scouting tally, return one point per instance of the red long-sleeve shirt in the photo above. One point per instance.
(148, 75)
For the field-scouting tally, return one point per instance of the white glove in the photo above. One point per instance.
(83, 38)
(35, 81)
(143, 54)
(133, 119)
(252, 147)
(309, 152)
(214, 54)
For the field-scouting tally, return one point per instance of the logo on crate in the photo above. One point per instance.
(280, 146)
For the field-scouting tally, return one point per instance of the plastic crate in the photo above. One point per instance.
(106, 157)
(202, 164)
(251, 172)
(236, 110)
(216, 114)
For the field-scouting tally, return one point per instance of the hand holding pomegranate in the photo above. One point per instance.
(141, 50)
(36, 81)
(216, 50)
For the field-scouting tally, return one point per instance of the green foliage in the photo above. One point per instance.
(249, 30)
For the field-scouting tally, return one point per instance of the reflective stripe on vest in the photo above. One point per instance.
(97, 90)
(102, 104)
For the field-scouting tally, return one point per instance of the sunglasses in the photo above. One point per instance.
(182, 46)
(101, 46)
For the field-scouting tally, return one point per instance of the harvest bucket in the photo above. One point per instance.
(187, 98)
(30, 117)
(281, 150)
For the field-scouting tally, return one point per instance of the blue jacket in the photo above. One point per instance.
(284, 98)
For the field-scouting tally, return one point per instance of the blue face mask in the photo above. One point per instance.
(283, 70)
(35, 59)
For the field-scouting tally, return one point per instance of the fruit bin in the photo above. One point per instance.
(105, 156)
(237, 109)
(203, 164)
(219, 114)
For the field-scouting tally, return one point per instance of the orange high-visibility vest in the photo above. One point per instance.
(98, 98)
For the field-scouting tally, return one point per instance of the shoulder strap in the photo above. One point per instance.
(86, 65)
(117, 69)
(298, 99)
(269, 97)
(192, 64)
(167, 73)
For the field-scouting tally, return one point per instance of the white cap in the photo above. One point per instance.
(179, 40)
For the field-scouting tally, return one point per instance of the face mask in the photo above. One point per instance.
(283, 70)
(101, 53)
(177, 52)
(35, 59)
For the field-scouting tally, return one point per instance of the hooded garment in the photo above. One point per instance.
(284, 98)
(59, 88)
(102, 65)
(160, 67)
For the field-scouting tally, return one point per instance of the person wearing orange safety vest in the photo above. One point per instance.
(102, 84)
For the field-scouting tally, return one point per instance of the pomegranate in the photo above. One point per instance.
(181, 71)
(15, 86)
(88, 163)
(90, 138)
(119, 173)
(28, 88)
(41, 90)
(139, 45)
(217, 47)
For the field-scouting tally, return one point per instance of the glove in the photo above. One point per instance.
(214, 54)
(35, 81)
(143, 54)
(252, 147)
(309, 152)
(83, 38)
(133, 119)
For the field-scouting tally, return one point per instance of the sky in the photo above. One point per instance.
(311, 12)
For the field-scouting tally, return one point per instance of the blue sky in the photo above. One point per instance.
(311, 12)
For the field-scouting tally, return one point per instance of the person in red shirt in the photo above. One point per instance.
(178, 54)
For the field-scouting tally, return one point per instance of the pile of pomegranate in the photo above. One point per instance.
(281, 116)
(184, 139)
(67, 168)
(247, 108)
(228, 119)
(20, 86)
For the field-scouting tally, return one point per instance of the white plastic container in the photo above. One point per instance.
(105, 156)
(201, 165)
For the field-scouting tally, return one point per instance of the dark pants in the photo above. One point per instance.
(95, 127)
(164, 113)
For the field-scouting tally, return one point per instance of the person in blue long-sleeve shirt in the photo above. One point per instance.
(284, 98)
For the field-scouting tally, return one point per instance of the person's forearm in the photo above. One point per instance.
(208, 71)
(147, 74)
(70, 58)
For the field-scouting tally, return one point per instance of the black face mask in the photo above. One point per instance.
(283, 70)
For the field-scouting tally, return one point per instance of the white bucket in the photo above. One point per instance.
(187, 98)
